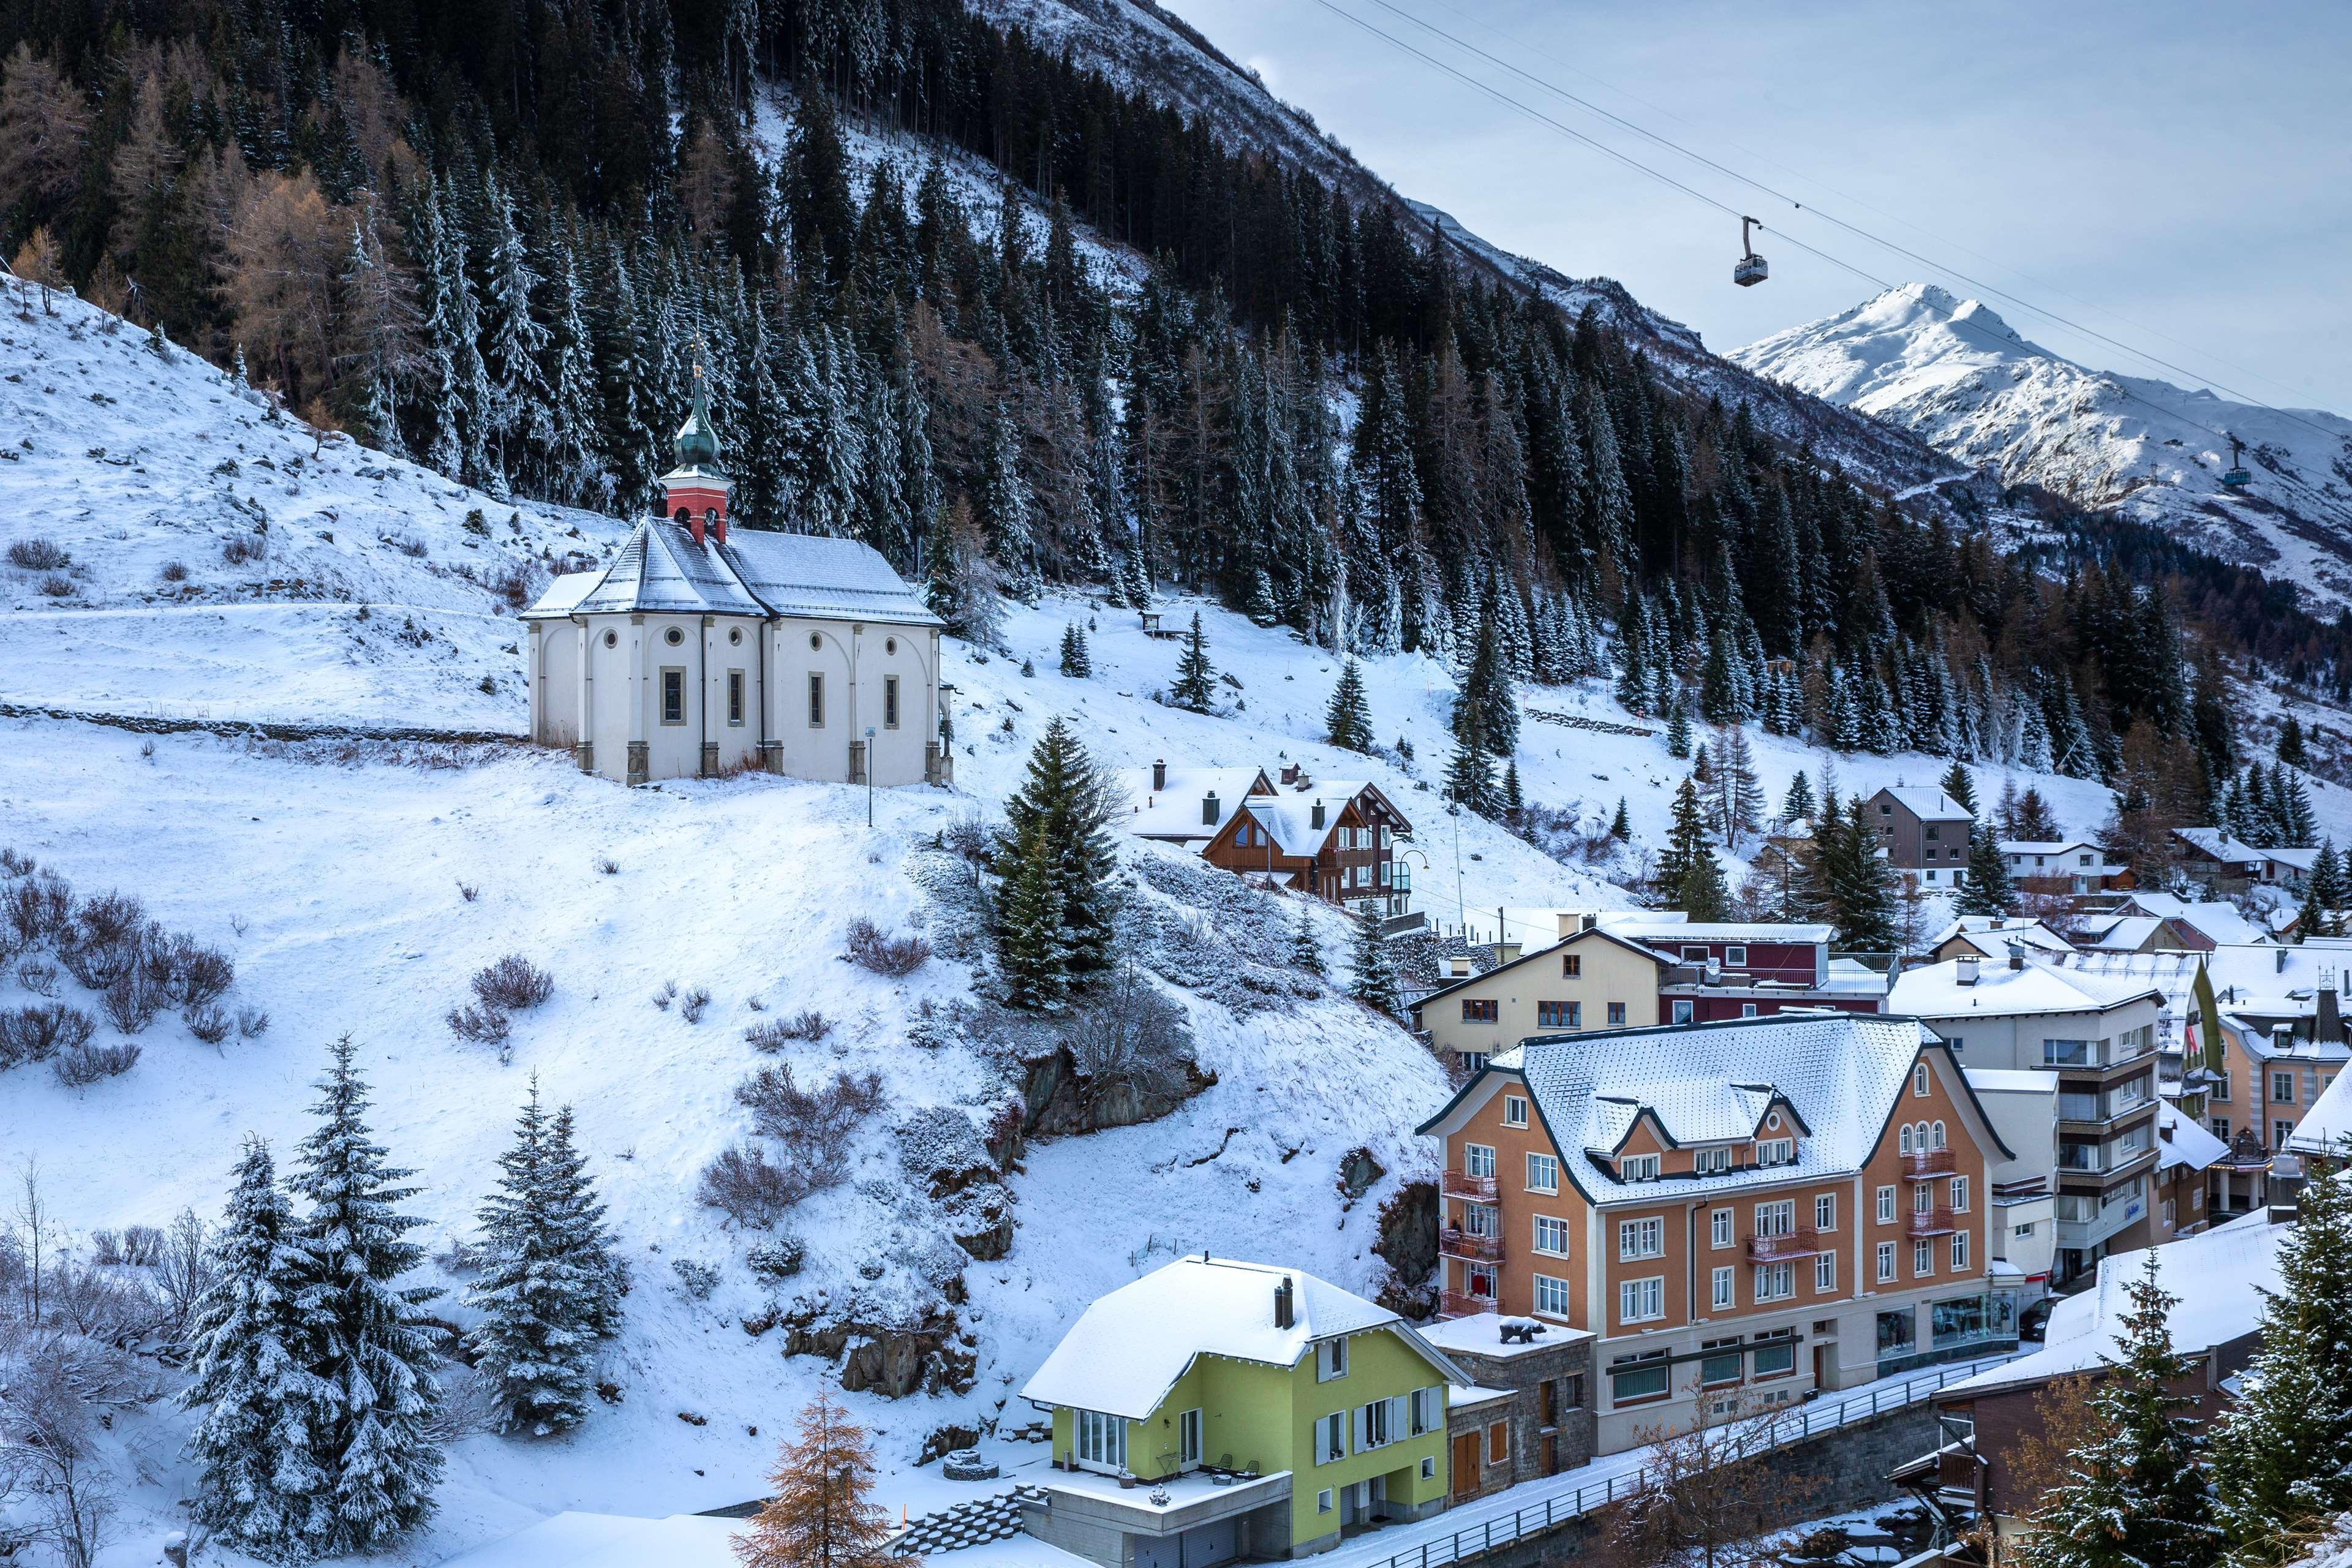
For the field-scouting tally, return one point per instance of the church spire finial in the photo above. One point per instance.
(698, 443)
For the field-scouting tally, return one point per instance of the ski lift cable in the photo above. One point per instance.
(1835, 220)
(1951, 318)
(1766, 159)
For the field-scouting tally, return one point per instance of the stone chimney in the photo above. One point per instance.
(1158, 775)
(1967, 974)
(2017, 955)
(1284, 1311)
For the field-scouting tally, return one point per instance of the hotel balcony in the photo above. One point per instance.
(1455, 1242)
(1802, 1242)
(1463, 1304)
(1460, 1184)
(1927, 1164)
(1922, 1223)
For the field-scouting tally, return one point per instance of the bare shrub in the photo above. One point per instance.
(666, 996)
(173, 572)
(106, 1247)
(252, 1023)
(130, 1003)
(208, 1023)
(891, 955)
(514, 983)
(38, 907)
(13, 864)
(57, 586)
(607, 867)
(36, 1034)
(39, 978)
(108, 920)
(99, 964)
(183, 1271)
(143, 1247)
(1133, 1040)
(691, 1008)
(200, 976)
(774, 1034)
(239, 548)
(38, 555)
(518, 583)
(479, 1023)
(811, 1123)
(749, 1188)
(469, 892)
(78, 1067)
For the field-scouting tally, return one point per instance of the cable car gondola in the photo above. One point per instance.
(2235, 477)
(1749, 269)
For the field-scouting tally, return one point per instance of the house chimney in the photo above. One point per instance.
(2326, 1021)
(1208, 809)
(1283, 1314)
(1158, 775)
(1714, 971)
(1968, 975)
(1317, 820)
(2278, 959)
(2017, 955)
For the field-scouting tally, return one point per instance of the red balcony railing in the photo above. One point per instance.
(1937, 1221)
(1802, 1242)
(1461, 1184)
(1455, 1242)
(1927, 1164)
(1462, 1304)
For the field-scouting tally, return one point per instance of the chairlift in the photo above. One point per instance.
(2235, 476)
(1749, 269)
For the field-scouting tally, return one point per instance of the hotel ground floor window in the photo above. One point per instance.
(1897, 1332)
(1639, 1378)
(1956, 1321)
(1776, 1356)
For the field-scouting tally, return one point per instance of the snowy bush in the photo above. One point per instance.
(38, 555)
(690, 1007)
(513, 983)
(749, 1188)
(252, 1023)
(13, 864)
(79, 1066)
(173, 572)
(775, 1034)
(38, 907)
(890, 955)
(239, 548)
(36, 1034)
(811, 1124)
(130, 1003)
(481, 1024)
(39, 978)
(696, 1280)
(57, 586)
(1128, 1037)
(208, 1023)
(143, 1247)
(666, 996)
(773, 1261)
(942, 1147)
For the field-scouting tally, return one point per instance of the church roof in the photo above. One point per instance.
(661, 569)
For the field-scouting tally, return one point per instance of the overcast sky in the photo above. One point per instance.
(2187, 168)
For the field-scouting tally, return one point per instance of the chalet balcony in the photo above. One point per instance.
(1802, 1242)
(1461, 1184)
(1455, 1242)
(1464, 1304)
(1921, 1224)
(1927, 1164)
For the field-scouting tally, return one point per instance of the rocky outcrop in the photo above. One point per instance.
(1408, 1235)
(934, 1355)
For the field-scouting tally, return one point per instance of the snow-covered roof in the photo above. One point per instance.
(1481, 1333)
(1176, 809)
(823, 579)
(1840, 1072)
(662, 569)
(2119, 933)
(1991, 934)
(2270, 969)
(2049, 846)
(1289, 815)
(1127, 1350)
(1937, 991)
(2221, 921)
(2328, 1122)
(2012, 1080)
(611, 1541)
(2218, 843)
(2183, 1140)
(2218, 1276)
(2301, 859)
(1926, 803)
(1755, 932)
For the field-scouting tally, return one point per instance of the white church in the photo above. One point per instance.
(696, 653)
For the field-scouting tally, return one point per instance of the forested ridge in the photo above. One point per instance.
(496, 237)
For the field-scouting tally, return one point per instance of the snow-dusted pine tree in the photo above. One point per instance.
(1375, 967)
(1076, 662)
(258, 1404)
(368, 1340)
(1195, 675)
(1306, 950)
(1348, 720)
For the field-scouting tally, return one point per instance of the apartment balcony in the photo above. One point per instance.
(1927, 1164)
(1463, 1304)
(1921, 1224)
(1461, 1184)
(1455, 1242)
(1802, 1242)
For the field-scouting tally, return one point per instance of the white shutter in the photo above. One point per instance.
(1356, 1430)
(1397, 1427)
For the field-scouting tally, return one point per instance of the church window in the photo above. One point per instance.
(816, 643)
(817, 701)
(734, 697)
(889, 703)
(673, 696)
(890, 645)
(673, 636)
(735, 636)
(611, 639)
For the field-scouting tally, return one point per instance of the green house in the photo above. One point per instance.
(1215, 1410)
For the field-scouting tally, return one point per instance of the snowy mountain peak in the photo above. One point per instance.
(1952, 372)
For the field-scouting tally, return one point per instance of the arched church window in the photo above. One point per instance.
(673, 636)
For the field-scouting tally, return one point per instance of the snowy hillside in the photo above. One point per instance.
(1954, 372)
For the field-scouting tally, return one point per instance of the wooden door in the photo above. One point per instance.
(1465, 1466)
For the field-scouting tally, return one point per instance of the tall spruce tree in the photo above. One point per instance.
(1375, 982)
(546, 1289)
(1195, 685)
(2134, 1496)
(2282, 1454)
(1064, 810)
(1029, 924)
(1688, 873)
(1076, 662)
(366, 1338)
(1960, 786)
(1988, 891)
(1306, 951)
(1348, 720)
(258, 1405)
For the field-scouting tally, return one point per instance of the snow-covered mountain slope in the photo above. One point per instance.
(1954, 372)
(221, 558)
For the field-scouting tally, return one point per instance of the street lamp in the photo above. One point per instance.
(869, 775)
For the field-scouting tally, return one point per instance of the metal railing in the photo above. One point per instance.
(1927, 1164)
(1462, 1185)
(1452, 1242)
(1803, 1241)
(1795, 1426)
(1921, 1224)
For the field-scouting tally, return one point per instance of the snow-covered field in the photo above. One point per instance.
(1953, 372)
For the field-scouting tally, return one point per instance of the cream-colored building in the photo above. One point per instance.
(1594, 980)
(698, 652)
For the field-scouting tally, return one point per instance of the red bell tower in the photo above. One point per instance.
(695, 493)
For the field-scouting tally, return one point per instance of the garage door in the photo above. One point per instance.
(1210, 1544)
(1159, 1550)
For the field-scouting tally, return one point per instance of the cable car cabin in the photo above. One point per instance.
(1749, 270)
(2236, 478)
